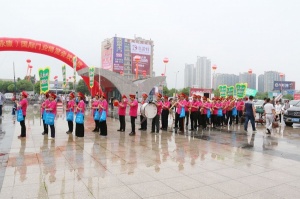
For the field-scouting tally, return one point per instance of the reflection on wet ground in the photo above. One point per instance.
(221, 163)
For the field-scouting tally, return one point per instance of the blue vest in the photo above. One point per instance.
(248, 108)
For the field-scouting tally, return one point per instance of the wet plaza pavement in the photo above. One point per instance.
(222, 163)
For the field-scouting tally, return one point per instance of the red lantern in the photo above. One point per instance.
(162, 74)
(137, 58)
(144, 73)
(165, 60)
(30, 66)
(214, 67)
(55, 77)
(250, 71)
(28, 61)
(121, 72)
(281, 75)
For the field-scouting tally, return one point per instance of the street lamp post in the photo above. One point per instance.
(281, 75)
(249, 73)
(28, 66)
(214, 67)
(137, 59)
(165, 60)
(176, 83)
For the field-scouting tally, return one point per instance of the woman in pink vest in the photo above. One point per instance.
(95, 107)
(71, 108)
(122, 112)
(133, 112)
(44, 105)
(23, 106)
(103, 106)
(52, 109)
(80, 108)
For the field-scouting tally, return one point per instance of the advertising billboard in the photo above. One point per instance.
(144, 51)
(284, 85)
(118, 54)
(199, 91)
(106, 56)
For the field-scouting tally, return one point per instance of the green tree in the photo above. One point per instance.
(186, 91)
(71, 86)
(216, 92)
(81, 87)
(288, 96)
(261, 95)
(24, 85)
(11, 88)
(4, 86)
(37, 87)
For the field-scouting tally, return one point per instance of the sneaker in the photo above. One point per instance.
(132, 134)
(254, 130)
(44, 133)
(269, 132)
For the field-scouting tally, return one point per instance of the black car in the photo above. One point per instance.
(292, 115)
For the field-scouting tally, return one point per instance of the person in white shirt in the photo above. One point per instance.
(278, 110)
(269, 112)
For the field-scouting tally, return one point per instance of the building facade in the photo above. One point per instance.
(189, 75)
(260, 85)
(203, 77)
(250, 79)
(269, 78)
(225, 79)
(117, 55)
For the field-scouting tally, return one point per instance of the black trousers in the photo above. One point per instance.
(52, 128)
(203, 120)
(79, 130)
(199, 118)
(23, 127)
(96, 125)
(181, 123)
(214, 121)
(70, 125)
(194, 119)
(155, 123)
(187, 116)
(122, 122)
(143, 122)
(45, 127)
(164, 119)
(103, 128)
(229, 117)
(132, 121)
(176, 119)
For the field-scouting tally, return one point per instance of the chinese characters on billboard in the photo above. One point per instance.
(284, 85)
(118, 54)
(106, 55)
(144, 51)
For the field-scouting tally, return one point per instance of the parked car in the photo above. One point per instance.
(292, 115)
(294, 103)
(259, 106)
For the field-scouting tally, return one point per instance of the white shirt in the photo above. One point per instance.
(268, 108)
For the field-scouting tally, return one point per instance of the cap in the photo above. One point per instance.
(47, 94)
(182, 95)
(144, 95)
(103, 95)
(124, 96)
(52, 95)
(195, 96)
(131, 95)
(158, 95)
(80, 95)
(166, 97)
(72, 95)
(24, 94)
(97, 94)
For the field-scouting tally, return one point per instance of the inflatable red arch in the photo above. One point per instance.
(40, 47)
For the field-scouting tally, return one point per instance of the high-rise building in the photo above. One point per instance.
(225, 79)
(250, 79)
(189, 75)
(117, 55)
(269, 78)
(203, 72)
(260, 86)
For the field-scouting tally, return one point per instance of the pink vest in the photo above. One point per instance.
(52, 106)
(81, 104)
(179, 107)
(159, 107)
(133, 109)
(70, 105)
(23, 105)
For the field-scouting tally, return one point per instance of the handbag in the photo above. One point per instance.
(220, 113)
(20, 116)
(182, 112)
(234, 111)
(103, 116)
(70, 116)
(275, 125)
(208, 113)
(96, 115)
(79, 118)
(49, 118)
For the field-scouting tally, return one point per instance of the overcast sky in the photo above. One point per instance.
(236, 35)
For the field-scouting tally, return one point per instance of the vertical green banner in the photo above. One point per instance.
(44, 75)
(241, 90)
(230, 90)
(91, 76)
(223, 90)
(74, 67)
(64, 76)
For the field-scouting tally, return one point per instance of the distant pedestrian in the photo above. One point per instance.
(270, 114)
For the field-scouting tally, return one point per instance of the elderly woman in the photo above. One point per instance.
(52, 109)
(23, 106)
(71, 108)
(80, 108)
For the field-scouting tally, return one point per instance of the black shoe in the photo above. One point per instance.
(191, 129)
(140, 129)
(132, 134)
(269, 132)
(122, 130)
(152, 132)
(44, 133)
(157, 131)
(119, 130)
(95, 130)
